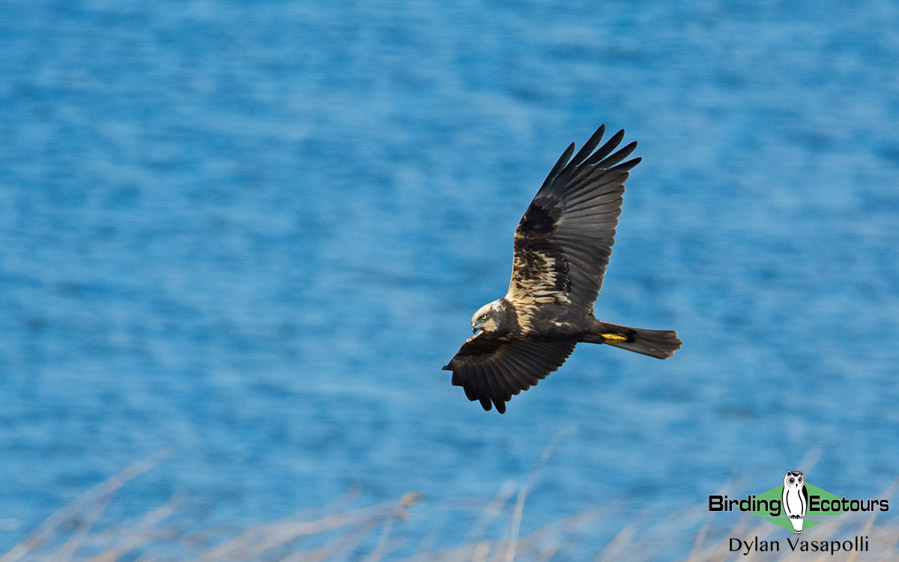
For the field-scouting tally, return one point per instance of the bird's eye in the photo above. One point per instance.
(792, 480)
(483, 317)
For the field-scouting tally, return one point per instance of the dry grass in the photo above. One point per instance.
(367, 533)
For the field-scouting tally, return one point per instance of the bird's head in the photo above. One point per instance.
(486, 318)
(793, 478)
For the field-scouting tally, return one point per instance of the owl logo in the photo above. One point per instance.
(795, 499)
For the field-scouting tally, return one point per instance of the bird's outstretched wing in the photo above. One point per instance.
(564, 239)
(492, 369)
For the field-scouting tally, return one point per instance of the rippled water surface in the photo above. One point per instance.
(255, 231)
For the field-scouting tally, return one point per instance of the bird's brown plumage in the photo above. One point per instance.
(561, 250)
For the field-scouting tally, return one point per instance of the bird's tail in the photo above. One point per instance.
(660, 344)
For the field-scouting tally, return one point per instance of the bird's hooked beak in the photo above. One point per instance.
(475, 326)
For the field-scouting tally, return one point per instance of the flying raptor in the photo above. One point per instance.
(562, 247)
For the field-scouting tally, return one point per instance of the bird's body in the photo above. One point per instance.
(562, 247)
(795, 499)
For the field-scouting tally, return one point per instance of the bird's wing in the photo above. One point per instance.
(564, 239)
(494, 369)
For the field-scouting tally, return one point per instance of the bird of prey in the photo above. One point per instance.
(562, 246)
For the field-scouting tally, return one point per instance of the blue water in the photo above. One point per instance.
(255, 231)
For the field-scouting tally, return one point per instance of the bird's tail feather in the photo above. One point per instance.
(660, 344)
